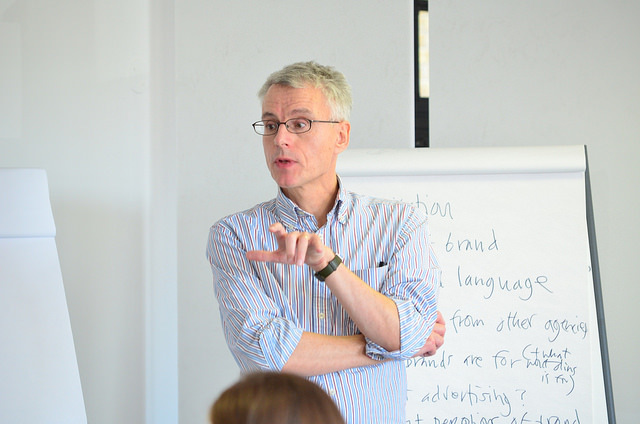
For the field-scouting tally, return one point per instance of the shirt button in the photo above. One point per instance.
(332, 392)
(321, 315)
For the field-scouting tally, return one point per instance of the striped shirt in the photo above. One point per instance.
(265, 307)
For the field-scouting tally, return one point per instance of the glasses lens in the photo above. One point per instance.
(265, 127)
(258, 127)
(298, 125)
(270, 127)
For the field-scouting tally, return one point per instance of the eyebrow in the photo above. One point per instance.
(301, 111)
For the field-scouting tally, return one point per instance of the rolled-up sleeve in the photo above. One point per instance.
(258, 331)
(412, 282)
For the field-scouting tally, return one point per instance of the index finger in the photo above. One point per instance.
(261, 256)
(277, 229)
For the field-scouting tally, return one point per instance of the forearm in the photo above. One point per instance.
(375, 315)
(318, 354)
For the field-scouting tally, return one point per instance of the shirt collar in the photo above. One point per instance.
(343, 202)
(288, 212)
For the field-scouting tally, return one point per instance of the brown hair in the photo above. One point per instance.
(274, 398)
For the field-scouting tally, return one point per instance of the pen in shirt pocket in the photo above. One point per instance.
(381, 264)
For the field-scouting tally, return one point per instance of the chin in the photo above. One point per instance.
(283, 181)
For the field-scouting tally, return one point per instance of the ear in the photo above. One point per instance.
(343, 136)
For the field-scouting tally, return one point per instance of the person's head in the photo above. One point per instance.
(304, 126)
(274, 398)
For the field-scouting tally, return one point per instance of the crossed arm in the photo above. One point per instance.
(375, 315)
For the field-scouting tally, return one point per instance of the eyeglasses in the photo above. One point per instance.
(294, 125)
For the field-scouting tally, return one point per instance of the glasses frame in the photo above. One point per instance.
(286, 125)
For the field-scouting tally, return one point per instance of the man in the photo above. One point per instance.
(320, 281)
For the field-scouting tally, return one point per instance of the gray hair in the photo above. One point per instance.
(331, 82)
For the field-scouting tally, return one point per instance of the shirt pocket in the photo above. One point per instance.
(374, 277)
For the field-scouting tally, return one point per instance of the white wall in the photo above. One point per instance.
(142, 161)
(81, 89)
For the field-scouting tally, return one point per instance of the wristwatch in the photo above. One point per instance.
(328, 270)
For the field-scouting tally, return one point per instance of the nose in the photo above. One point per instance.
(281, 123)
(282, 136)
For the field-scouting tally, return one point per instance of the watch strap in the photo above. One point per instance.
(328, 270)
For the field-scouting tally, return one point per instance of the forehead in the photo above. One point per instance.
(281, 100)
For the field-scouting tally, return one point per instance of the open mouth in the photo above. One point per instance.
(283, 161)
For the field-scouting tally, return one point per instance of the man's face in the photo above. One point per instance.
(302, 164)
